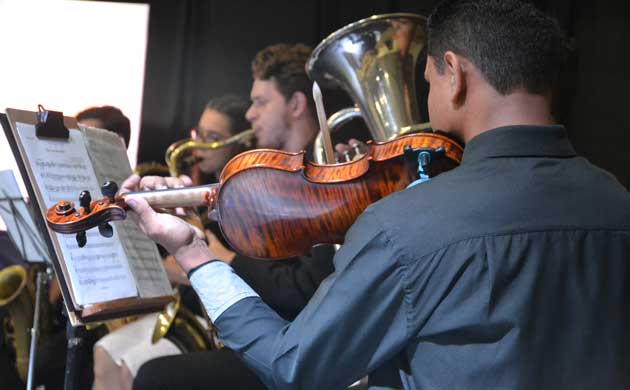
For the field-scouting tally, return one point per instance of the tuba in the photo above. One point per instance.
(374, 61)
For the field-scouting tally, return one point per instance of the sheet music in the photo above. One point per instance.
(97, 272)
(109, 158)
(20, 225)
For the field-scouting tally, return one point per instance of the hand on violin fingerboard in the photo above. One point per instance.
(185, 242)
(151, 183)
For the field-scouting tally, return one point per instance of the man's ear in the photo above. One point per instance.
(456, 78)
(298, 104)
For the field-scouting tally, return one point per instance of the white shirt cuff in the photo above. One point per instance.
(219, 287)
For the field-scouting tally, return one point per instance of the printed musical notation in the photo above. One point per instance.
(110, 162)
(76, 165)
(145, 261)
(99, 271)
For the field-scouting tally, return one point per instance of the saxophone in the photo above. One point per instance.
(17, 295)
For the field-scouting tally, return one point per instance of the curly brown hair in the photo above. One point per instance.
(284, 64)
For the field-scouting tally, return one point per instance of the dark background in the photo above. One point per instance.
(203, 49)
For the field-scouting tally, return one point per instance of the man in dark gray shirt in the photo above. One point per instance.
(508, 272)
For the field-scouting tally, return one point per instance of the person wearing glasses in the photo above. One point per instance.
(222, 118)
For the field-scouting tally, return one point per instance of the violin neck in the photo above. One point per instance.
(179, 197)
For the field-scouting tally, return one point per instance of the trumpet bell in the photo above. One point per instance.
(178, 154)
(374, 61)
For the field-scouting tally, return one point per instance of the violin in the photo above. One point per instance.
(272, 204)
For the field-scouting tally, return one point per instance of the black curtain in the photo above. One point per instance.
(201, 49)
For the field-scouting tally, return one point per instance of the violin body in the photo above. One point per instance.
(272, 204)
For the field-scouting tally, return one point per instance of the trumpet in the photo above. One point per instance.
(176, 157)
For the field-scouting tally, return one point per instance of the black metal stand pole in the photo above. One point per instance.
(76, 347)
(42, 282)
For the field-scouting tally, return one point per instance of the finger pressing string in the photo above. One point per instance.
(186, 180)
(130, 184)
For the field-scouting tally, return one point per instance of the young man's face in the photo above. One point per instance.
(269, 115)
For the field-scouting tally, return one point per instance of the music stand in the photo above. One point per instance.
(21, 227)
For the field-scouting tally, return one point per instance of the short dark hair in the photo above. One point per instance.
(511, 42)
(112, 117)
(234, 108)
(285, 65)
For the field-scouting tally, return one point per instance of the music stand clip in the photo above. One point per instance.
(50, 124)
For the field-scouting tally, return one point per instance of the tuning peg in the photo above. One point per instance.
(109, 189)
(106, 230)
(81, 239)
(63, 208)
(84, 200)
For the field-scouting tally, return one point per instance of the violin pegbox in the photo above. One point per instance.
(64, 218)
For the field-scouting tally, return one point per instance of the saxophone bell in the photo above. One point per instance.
(17, 296)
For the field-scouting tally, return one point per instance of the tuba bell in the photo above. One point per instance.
(374, 61)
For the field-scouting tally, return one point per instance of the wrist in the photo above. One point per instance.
(193, 254)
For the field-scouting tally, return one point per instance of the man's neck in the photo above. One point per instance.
(302, 134)
(495, 110)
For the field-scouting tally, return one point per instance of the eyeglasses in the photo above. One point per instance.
(205, 135)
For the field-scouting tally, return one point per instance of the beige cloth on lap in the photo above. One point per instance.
(132, 344)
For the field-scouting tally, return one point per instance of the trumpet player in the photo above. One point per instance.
(221, 119)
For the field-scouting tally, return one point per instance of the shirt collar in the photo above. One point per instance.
(519, 141)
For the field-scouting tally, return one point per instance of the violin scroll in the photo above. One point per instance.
(64, 218)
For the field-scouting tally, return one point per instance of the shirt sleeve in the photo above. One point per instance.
(356, 321)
